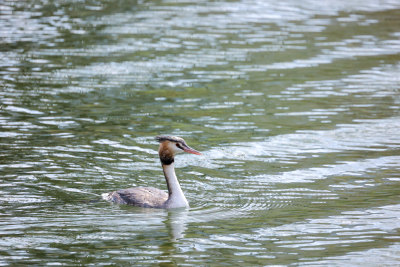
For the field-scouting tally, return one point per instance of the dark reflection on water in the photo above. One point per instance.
(295, 106)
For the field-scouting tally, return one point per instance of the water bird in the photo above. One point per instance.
(150, 197)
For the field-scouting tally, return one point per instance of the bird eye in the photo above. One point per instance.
(178, 146)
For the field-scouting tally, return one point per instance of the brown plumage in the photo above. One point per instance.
(147, 197)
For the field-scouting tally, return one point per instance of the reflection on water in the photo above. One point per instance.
(295, 106)
(176, 223)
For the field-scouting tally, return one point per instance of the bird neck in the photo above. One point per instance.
(176, 198)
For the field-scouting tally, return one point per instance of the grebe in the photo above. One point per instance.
(150, 197)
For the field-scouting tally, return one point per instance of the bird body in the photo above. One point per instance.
(146, 197)
(150, 197)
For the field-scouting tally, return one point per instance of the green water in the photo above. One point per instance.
(294, 105)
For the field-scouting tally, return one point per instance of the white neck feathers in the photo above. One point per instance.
(176, 197)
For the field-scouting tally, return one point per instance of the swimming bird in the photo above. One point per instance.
(150, 197)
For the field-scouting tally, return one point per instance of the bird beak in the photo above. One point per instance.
(191, 150)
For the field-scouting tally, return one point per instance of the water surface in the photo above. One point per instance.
(295, 107)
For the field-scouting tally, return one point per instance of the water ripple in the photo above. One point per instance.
(294, 105)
